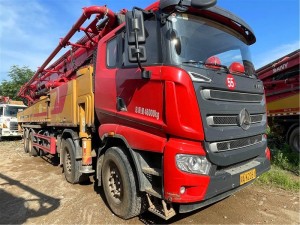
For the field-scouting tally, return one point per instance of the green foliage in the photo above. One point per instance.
(286, 159)
(280, 178)
(285, 168)
(18, 77)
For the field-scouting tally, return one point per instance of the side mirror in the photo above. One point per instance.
(135, 27)
(136, 37)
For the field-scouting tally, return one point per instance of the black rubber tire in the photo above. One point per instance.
(31, 150)
(128, 204)
(70, 165)
(294, 139)
(26, 141)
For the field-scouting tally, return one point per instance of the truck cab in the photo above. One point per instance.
(197, 107)
(8, 120)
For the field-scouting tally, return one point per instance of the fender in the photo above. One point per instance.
(73, 134)
(132, 139)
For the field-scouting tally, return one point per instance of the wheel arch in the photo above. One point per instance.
(133, 157)
(69, 133)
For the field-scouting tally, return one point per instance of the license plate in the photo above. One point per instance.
(247, 176)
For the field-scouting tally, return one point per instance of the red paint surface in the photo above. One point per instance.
(61, 94)
(196, 185)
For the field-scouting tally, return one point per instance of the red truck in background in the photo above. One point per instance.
(162, 104)
(281, 82)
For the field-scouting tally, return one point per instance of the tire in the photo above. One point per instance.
(294, 139)
(31, 149)
(119, 184)
(25, 139)
(70, 165)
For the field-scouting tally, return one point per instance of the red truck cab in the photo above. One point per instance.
(194, 125)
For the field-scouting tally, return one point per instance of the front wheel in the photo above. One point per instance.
(119, 184)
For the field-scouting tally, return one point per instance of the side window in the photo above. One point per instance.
(112, 53)
(1, 111)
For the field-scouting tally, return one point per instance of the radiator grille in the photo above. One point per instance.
(231, 120)
(235, 144)
(231, 96)
(13, 125)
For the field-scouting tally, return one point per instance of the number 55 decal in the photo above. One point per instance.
(230, 82)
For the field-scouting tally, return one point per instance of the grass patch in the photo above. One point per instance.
(285, 169)
(280, 178)
(286, 159)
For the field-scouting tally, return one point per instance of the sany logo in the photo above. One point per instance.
(230, 82)
(279, 68)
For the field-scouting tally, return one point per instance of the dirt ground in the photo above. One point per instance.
(34, 191)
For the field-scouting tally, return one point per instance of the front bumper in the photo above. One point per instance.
(226, 183)
(202, 190)
(10, 133)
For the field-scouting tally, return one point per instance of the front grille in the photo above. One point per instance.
(13, 125)
(256, 118)
(235, 144)
(231, 96)
(230, 120)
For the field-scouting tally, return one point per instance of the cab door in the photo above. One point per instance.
(140, 100)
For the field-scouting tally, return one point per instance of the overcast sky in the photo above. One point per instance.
(30, 29)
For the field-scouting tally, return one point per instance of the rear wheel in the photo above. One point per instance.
(294, 139)
(119, 184)
(70, 164)
(26, 141)
(31, 149)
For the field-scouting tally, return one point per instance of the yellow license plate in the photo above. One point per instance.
(247, 176)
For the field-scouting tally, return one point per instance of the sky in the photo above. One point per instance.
(31, 29)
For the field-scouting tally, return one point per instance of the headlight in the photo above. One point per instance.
(193, 163)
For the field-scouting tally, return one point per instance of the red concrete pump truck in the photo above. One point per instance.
(162, 104)
(281, 81)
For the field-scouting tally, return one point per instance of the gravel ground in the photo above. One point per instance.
(33, 191)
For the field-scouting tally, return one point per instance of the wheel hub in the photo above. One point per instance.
(68, 163)
(114, 184)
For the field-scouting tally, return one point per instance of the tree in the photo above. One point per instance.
(18, 77)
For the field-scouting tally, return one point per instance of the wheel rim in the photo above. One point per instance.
(68, 162)
(115, 188)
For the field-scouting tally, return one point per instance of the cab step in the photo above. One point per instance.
(160, 208)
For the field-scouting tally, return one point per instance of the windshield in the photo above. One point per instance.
(12, 110)
(196, 39)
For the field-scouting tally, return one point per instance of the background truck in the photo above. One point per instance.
(162, 104)
(281, 82)
(8, 117)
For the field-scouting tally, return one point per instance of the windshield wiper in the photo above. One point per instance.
(207, 64)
